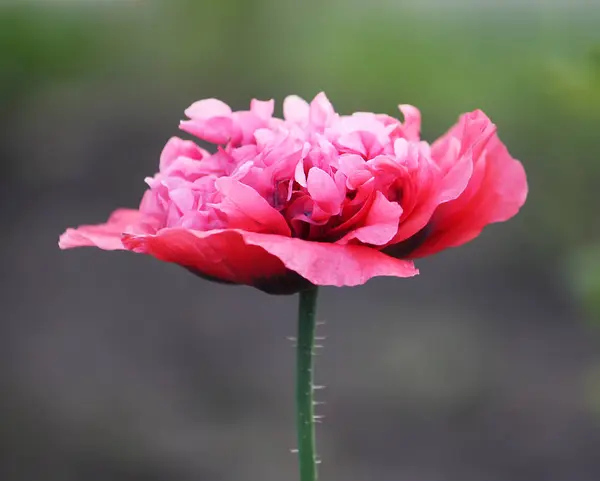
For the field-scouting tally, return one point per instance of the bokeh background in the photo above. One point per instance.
(115, 367)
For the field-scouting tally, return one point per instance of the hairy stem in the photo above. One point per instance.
(304, 385)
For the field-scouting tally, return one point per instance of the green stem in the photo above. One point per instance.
(304, 385)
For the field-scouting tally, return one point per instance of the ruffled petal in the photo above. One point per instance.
(176, 148)
(247, 209)
(105, 236)
(380, 224)
(324, 191)
(321, 111)
(495, 192)
(254, 259)
(217, 130)
(262, 108)
(411, 127)
(211, 120)
(295, 109)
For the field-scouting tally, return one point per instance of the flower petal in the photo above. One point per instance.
(211, 120)
(380, 224)
(324, 191)
(175, 148)
(321, 111)
(496, 192)
(217, 130)
(105, 236)
(262, 108)
(221, 254)
(250, 258)
(247, 209)
(207, 108)
(456, 179)
(295, 109)
(411, 127)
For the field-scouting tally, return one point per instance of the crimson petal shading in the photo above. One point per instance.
(249, 258)
(496, 190)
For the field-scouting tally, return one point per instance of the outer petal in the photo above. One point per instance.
(471, 134)
(496, 192)
(217, 254)
(255, 259)
(456, 179)
(105, 236)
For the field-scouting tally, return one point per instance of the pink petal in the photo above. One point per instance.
(384, 165)
(295, 109)
(411, 126)
(324, 191)
(183, 198)
(473, 131)
(445, 151)
(505, 185)
(262, 108)
(217, 130)
(456, 179)
(203, 109)
(355, 169)
(211, 120)
(105, 236)
(479, 130)
(221, 254)
(246, 208)
(175, 148)
(360, 142)
(401, 149)
(263, 138)
(245, 123)
(250, 258)
(380, 225)
(496, 192)
(299, 173)
(321, 111)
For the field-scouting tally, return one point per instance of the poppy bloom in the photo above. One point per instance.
(315, 198)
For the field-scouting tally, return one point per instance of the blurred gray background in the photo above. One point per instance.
(116, 367)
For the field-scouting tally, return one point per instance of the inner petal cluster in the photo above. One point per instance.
(315, 175)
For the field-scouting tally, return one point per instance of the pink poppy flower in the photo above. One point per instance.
(315, 198)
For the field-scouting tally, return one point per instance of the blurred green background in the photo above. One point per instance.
(486, 367)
